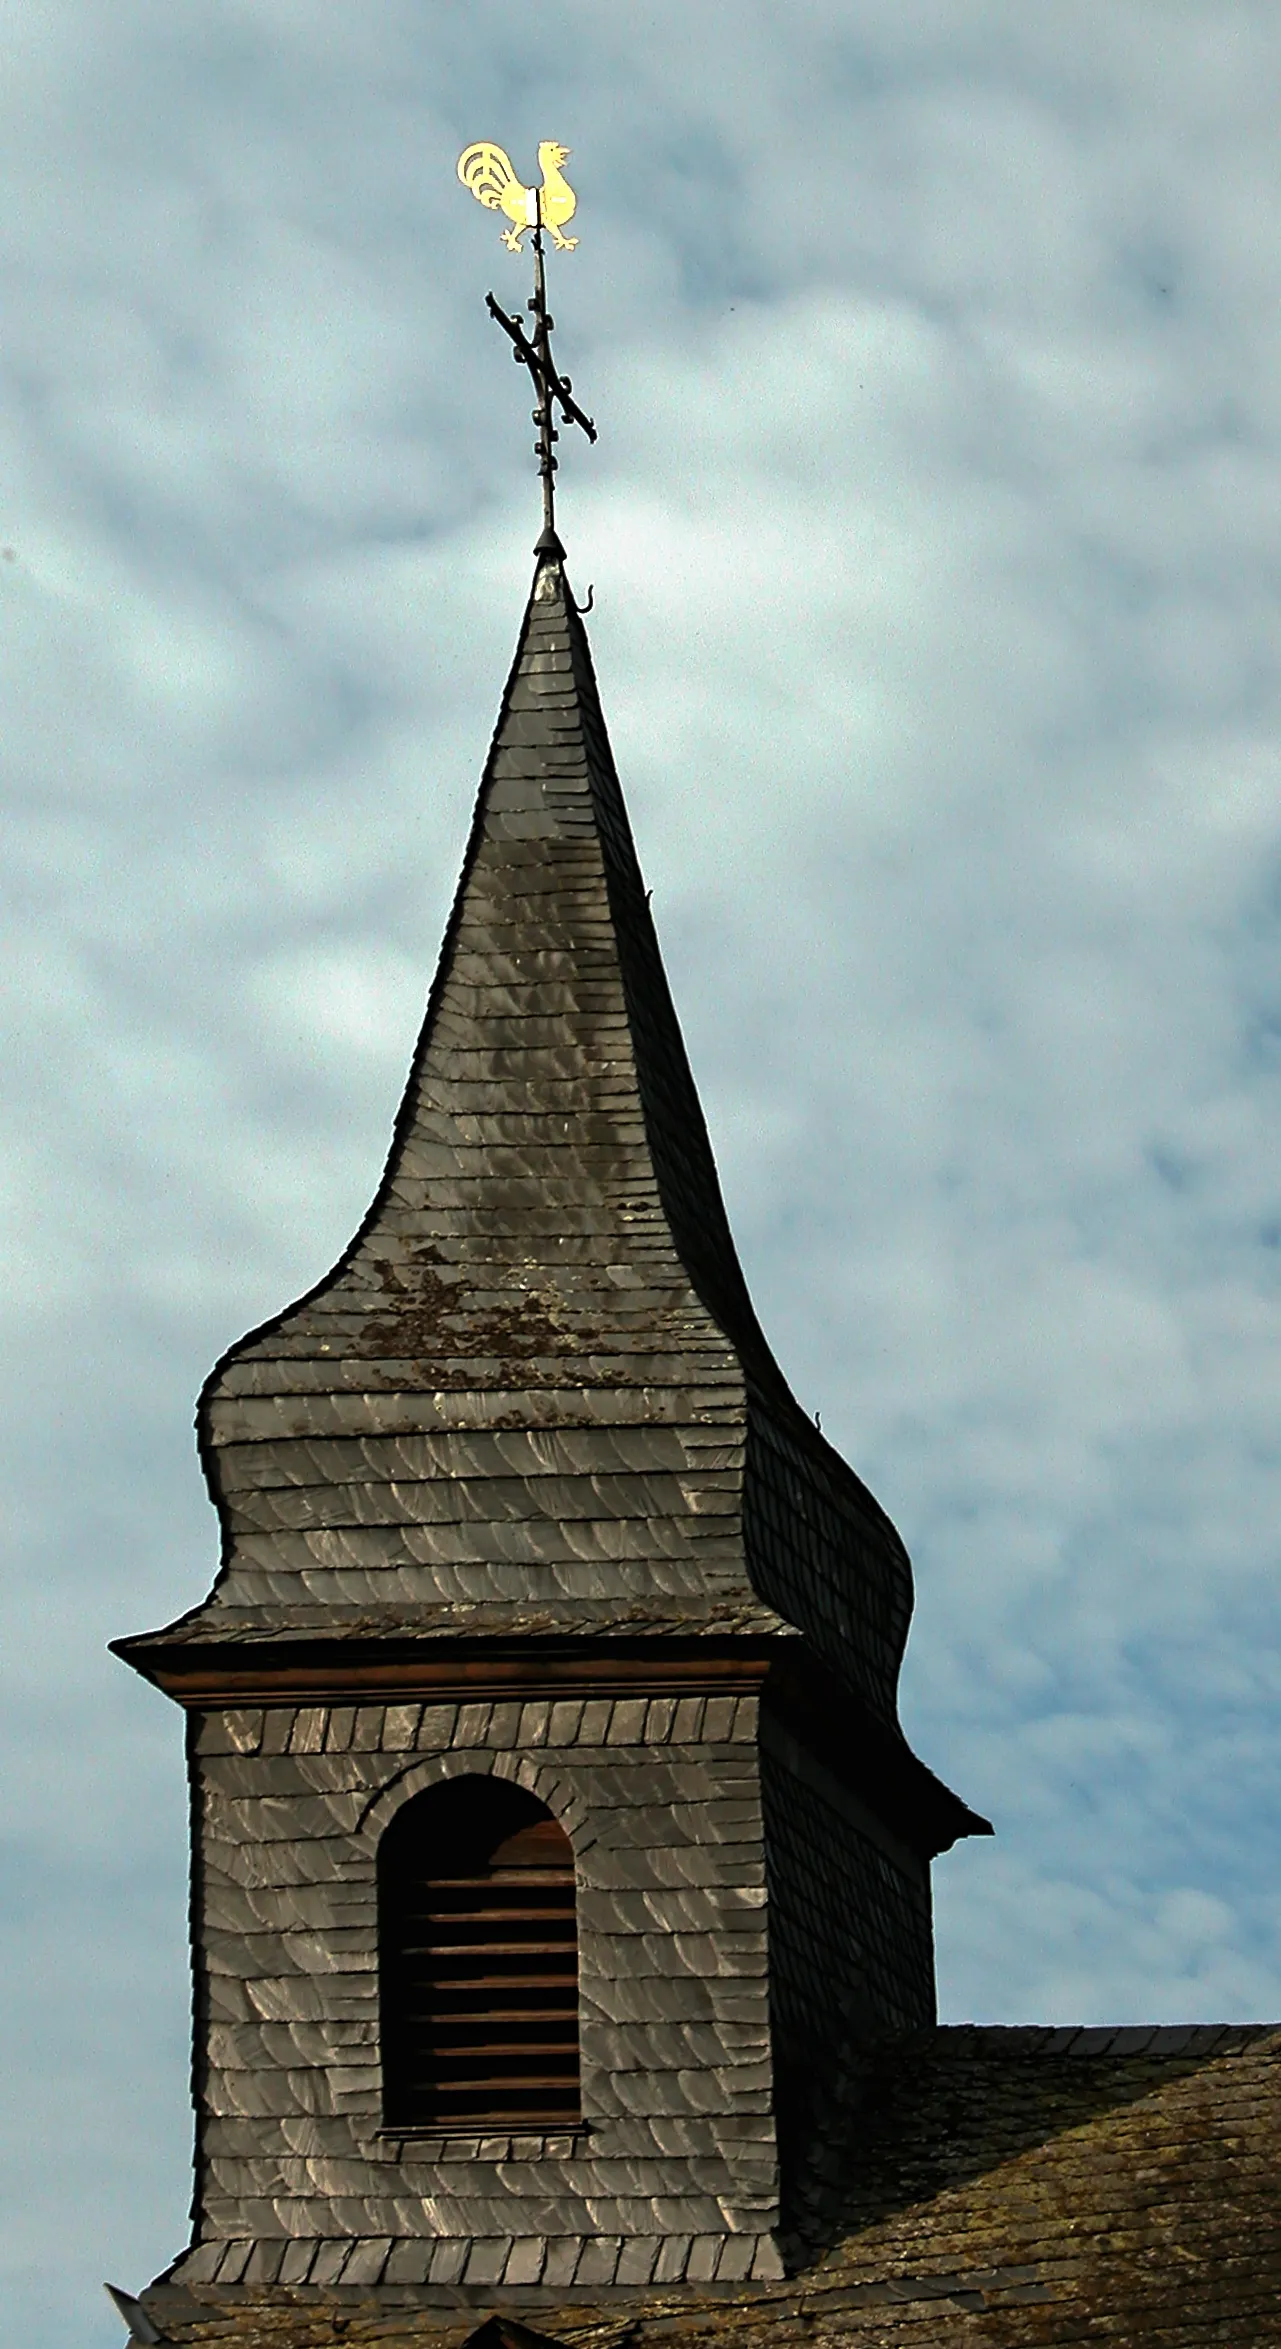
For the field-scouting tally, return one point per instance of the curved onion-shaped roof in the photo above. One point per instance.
(533, 1398)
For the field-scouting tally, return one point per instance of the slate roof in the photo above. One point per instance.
(533, 1397)
(1032, 2189)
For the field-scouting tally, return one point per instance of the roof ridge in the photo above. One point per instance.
(1098, 2039)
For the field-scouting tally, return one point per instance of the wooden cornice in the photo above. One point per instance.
(210, 1673)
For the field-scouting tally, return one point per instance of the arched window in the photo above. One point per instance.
(479, 1961)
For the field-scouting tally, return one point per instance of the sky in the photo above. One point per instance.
(933, 530)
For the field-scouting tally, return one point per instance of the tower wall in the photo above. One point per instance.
(675, 2171)
(851, 1924)
(851, 1952)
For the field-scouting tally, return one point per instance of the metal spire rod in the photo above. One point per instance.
(487, 171)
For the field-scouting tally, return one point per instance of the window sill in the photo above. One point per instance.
(563, 2143)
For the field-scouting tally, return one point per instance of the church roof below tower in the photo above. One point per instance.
(1033, 2187)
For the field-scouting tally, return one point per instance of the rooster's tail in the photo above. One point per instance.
(487, 171)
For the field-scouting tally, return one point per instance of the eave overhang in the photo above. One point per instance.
(868, 1755)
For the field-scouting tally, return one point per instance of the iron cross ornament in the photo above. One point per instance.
(489, 174)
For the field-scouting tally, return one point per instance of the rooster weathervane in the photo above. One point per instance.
(488, 172)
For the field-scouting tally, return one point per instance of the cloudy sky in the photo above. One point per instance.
(936, 353)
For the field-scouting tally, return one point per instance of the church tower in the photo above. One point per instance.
(554, 1833)
(556, 1847)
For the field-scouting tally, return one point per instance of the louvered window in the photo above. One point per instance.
(479, 1961)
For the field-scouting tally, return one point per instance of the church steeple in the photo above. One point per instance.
(533, 1396)
(521, 1391)
(555, 1835)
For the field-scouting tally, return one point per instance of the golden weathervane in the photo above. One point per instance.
(491, 177)
(487, 170)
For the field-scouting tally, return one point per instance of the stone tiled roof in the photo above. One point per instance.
(533, 1396)
(995, 2187)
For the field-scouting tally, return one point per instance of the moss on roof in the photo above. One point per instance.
(1002, 2187)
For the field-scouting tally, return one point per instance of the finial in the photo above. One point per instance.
(488, 172)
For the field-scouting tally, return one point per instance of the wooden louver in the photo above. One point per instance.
(479, 1962)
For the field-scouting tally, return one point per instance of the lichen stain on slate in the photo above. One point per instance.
(430, 1318)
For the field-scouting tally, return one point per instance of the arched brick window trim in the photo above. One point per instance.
(478, 1952)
